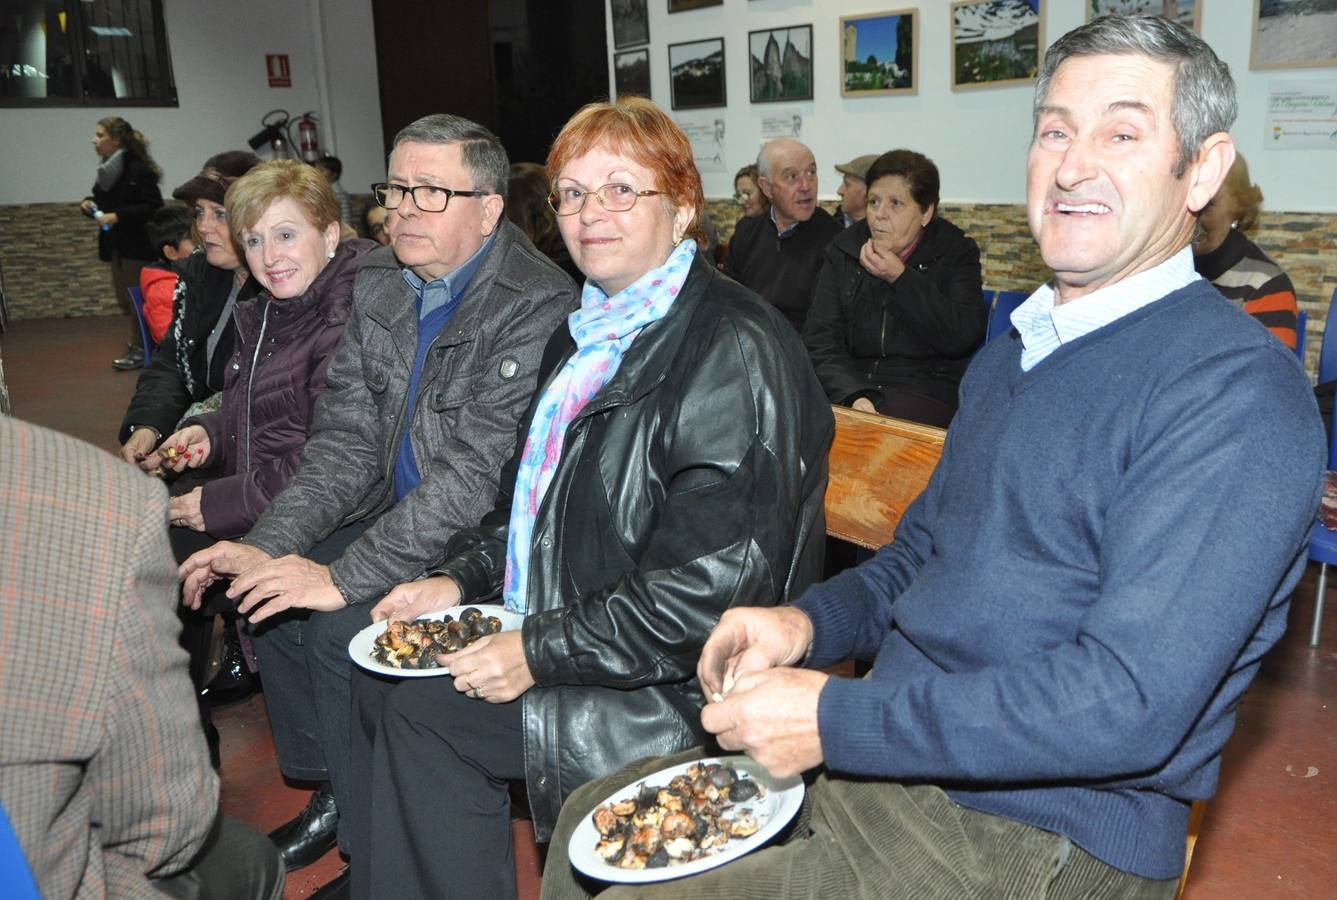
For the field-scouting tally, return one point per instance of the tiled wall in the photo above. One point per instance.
(1304, 244)
(49, 252)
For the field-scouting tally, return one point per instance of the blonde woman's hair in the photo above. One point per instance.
(253, 193)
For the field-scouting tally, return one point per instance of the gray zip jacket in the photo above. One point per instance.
(477, 379)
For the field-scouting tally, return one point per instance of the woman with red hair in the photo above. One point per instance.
(671, 465)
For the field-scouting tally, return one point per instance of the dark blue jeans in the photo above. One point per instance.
(305, 668)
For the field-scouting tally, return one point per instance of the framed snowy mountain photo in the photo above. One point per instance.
(996, 42)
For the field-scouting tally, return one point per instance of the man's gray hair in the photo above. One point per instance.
(481, 152)
(1204, 93)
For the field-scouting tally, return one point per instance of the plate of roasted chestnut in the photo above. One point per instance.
(409, 649)
(683, 820)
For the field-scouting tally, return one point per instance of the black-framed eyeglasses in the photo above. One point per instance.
(427, 197)
(614, 197)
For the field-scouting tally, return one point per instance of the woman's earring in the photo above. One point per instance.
(330, 255)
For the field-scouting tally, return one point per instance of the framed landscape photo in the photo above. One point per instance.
(1293, 34)
(631, 23)
(685, 5)
(631, 72)
(780, 64)
(1186, 12)
(696, 74)
(995, 42)
(879, 53)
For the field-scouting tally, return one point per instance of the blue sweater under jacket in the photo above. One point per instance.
(1070, 612)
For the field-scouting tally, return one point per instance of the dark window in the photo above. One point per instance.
(84, 53)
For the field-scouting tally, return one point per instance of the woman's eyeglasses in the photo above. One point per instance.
(568, 201)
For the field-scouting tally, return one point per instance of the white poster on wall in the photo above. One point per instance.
(782, 125)
(707, 136)
(1302, 115)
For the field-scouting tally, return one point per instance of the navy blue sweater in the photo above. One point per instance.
(1070, 612)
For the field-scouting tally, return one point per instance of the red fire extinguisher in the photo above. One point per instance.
(308, 139)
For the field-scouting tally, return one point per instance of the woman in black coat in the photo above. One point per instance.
(125, 194)
(897, 311)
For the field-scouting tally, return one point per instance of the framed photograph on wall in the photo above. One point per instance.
(879, 53)
(631, 23)
(780, 64)
(1186, 12)
(685, 5)
(1293, 34)
(995, 42)
(631, 72)
(696, 74)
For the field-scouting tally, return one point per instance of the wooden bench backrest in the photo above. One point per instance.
(878, 467)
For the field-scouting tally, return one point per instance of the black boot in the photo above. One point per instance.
(233, 681)
(311, 835)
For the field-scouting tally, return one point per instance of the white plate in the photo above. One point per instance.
(783, 798)
(359, 648)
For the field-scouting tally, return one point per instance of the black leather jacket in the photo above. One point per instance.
(692, 483)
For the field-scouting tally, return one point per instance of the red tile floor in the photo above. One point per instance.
(1271, 831)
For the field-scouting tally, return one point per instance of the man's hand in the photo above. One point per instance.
(406, 602)
(772, 717)
(285, 583)
(208, 565)
(752, 639)
(189, 447)
(184, 510)
(138, 446)
(492, 668)
(882, 263)
(863, 404)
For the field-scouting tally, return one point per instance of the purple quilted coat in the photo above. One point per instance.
(270, 387)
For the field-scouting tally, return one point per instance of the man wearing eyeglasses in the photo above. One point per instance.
(778, 255)
(425, 392)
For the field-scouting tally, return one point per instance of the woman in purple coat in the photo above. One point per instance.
(285, 218)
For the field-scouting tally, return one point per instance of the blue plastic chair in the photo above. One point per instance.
(1322, 542)
(137, 299)
(1301, 323)
(988, 298)
(1000, 313)
(15, 875)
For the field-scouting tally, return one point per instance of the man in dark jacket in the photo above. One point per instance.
(423, 396)
(778, 253)
(188, 363)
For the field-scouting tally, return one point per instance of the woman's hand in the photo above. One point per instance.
(863, 404)
(882, 263)
(406, 602)
(187, 448)
(492, 668)
(106, 220)
(87, 207)
(184, 510)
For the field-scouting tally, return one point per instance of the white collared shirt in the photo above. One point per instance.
(1045, 327)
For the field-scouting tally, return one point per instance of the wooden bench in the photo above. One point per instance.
(878, 466)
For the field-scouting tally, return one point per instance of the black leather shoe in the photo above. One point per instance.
(133, 359)
(234, 681)
(309, 836)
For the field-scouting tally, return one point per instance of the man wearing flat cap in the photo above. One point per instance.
(853, 190)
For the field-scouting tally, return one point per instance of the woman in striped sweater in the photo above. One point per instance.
(1235, 265)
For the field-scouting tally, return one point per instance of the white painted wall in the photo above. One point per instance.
(218, 56)
(977, 138)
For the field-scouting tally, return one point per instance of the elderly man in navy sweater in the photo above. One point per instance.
(1070, 612)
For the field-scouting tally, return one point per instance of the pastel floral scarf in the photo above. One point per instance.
(603, 328)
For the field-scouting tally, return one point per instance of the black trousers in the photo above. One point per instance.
(236, 861)
(430, 812)
(304, 662)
